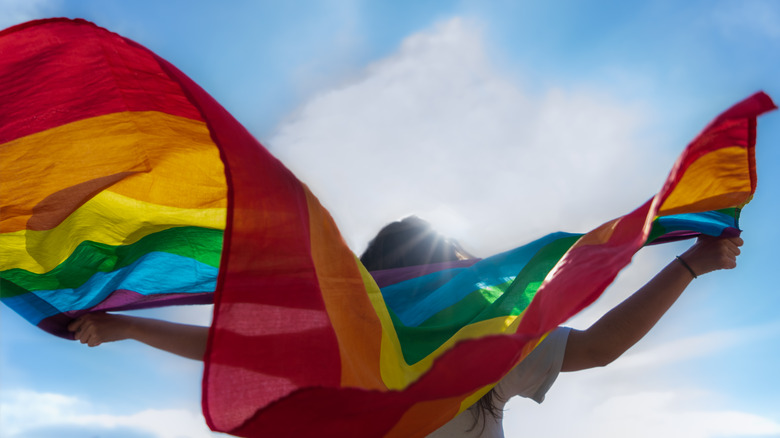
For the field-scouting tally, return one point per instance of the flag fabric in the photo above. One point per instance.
(110, 179)
(125, 185)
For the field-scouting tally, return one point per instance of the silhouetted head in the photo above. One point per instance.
(410, 242)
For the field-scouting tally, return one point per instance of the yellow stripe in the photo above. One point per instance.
(107, 218)
(386, 365)
(163, 159)
(719, 179)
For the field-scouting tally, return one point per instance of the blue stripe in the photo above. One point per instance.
(415, 300)
(30, 307)
(711, 223)
(154, 273)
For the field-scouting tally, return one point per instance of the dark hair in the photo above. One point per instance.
(412, 242)
(487, 405)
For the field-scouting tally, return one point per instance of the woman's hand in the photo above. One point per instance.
(185, 340)
(712, 253)
(94, 329)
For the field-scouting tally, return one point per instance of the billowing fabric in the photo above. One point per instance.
(125, 185)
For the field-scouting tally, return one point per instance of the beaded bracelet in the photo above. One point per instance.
(687, 266)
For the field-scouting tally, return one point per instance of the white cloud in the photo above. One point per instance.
(616, 411)
(18, 11)
(436, 130)
(653, 414)
(24, 411)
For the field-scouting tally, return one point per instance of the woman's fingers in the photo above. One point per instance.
(713, 253)
(730, 248)
(85, 330)
(736, 242)
(76, 324)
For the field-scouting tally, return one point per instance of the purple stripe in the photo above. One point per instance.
(386, 277)
(122, 300)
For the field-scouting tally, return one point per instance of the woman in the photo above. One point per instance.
(411, 242)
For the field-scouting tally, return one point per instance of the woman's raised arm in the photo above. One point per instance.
(628, 322)
(184, 340)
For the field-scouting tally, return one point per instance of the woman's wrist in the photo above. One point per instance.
(128, 327)
(686, 266)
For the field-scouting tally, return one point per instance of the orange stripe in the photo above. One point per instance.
(351, 314)
(719, 179)
(149, 156)
(416, 421)
(598, 236)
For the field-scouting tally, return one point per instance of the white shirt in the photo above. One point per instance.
(532, 378)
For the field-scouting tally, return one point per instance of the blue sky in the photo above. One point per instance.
(498, 121)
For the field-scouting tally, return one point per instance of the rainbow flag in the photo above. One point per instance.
(125, 185)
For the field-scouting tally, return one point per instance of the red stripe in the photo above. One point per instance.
(752, 154)
(58, 71)
(352, 413)
(583, 274)
(267, 269)
(734, 127)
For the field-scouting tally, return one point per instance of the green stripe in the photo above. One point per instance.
(8, 289)
(733, 212)
(510, 298)
(201, 244)
(656, 231)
